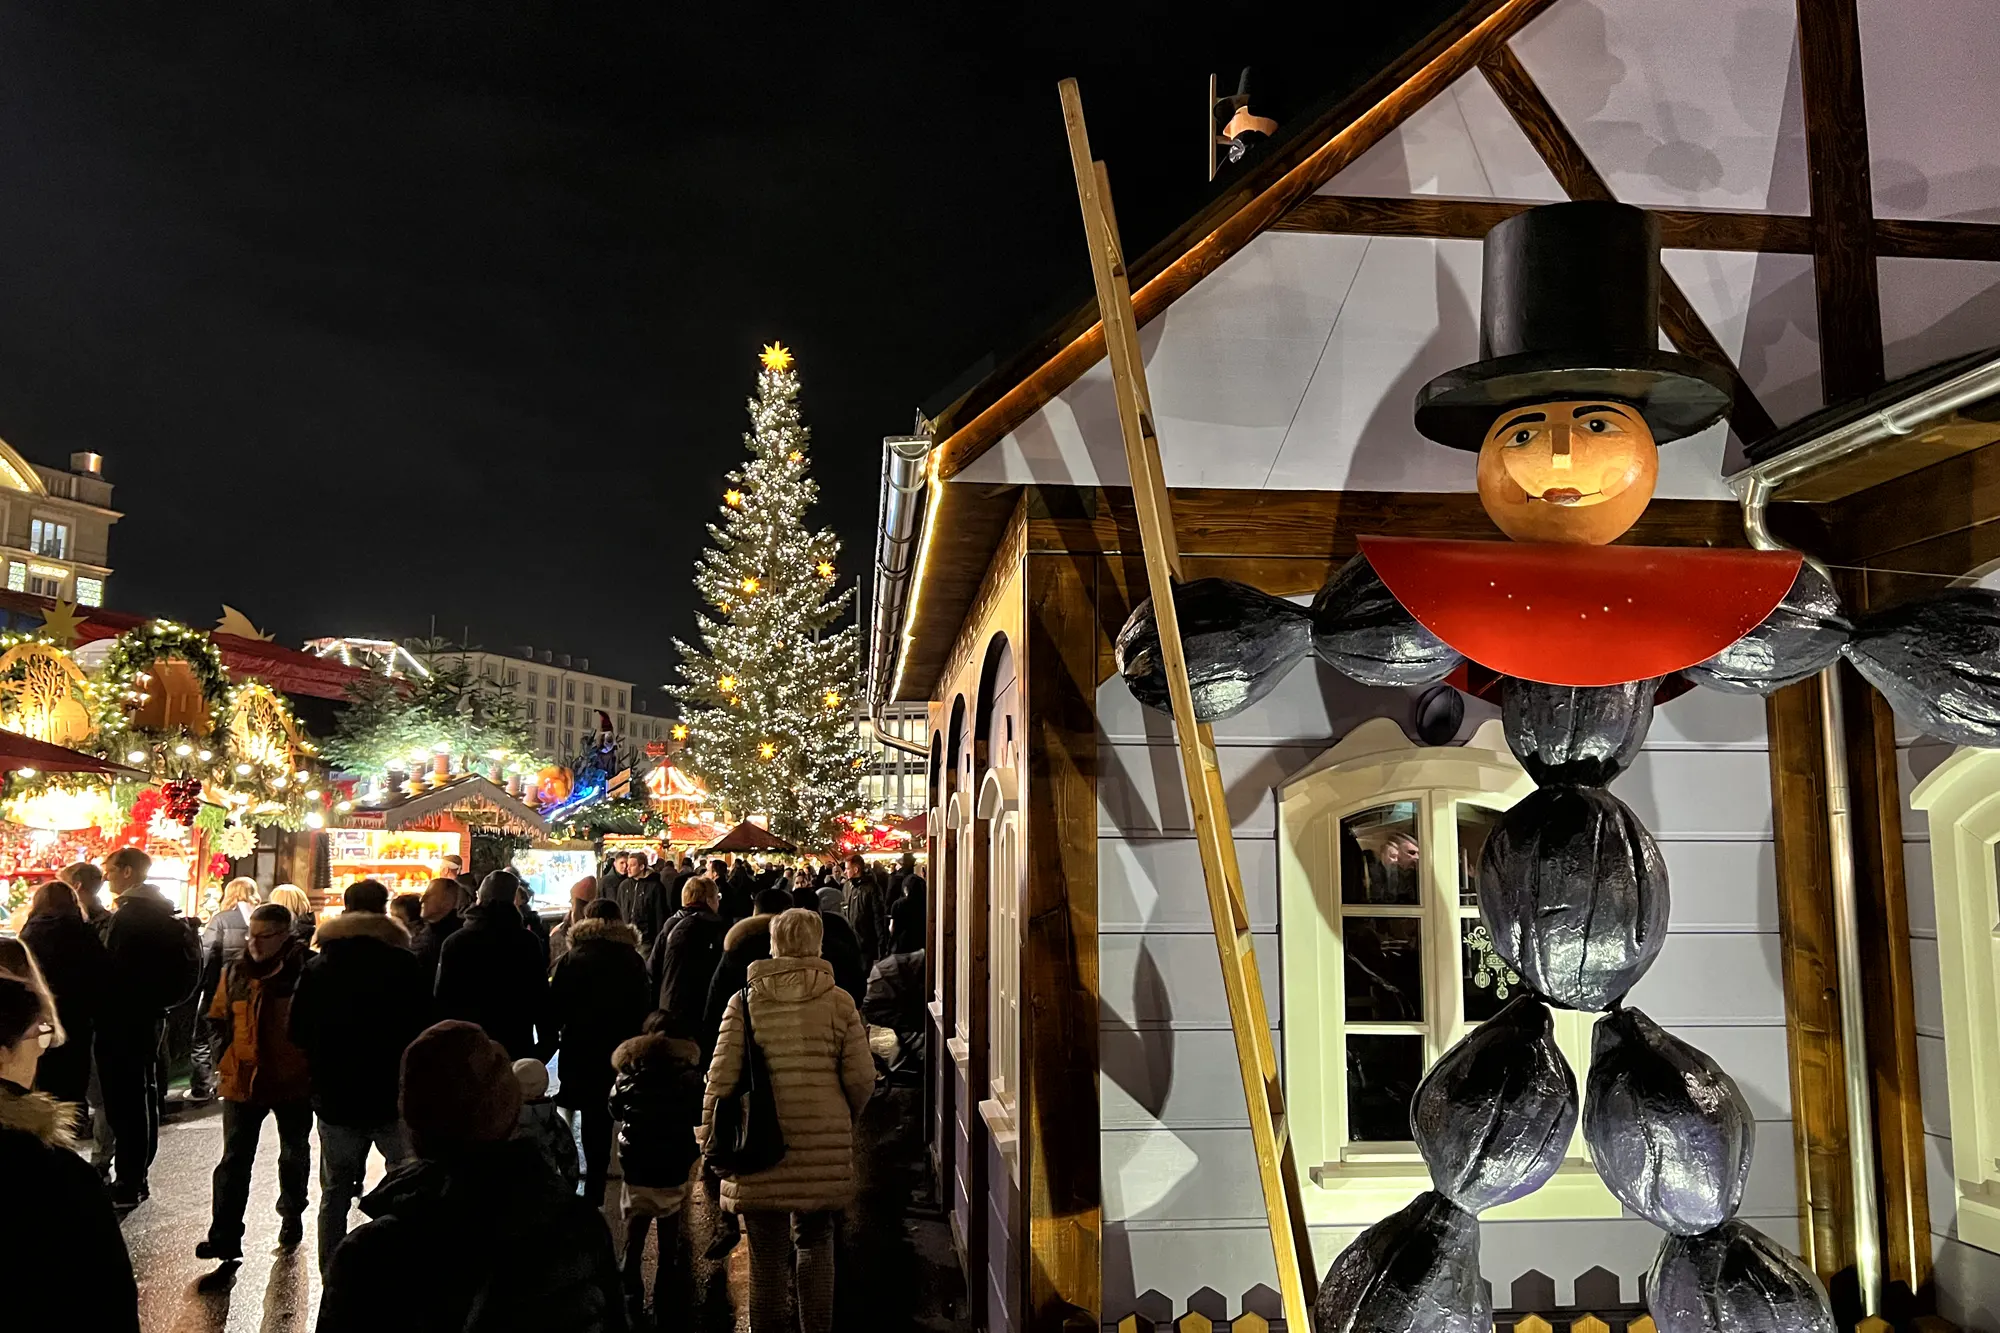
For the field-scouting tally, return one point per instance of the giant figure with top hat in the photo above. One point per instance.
(1566, 410)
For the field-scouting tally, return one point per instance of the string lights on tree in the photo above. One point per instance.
(764, 729)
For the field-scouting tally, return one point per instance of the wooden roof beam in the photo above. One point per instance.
(1580, 179)
(1442, 218)
(1006, 398)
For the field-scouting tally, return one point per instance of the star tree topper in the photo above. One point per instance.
(776, 357)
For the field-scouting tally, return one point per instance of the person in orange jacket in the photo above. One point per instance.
(261, 1072)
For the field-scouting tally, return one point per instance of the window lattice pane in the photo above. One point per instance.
(1385, 969)
(1475, 824)
(1379, 855)
(1382, 1076)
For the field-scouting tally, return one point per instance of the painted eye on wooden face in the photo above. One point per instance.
(1580, 471)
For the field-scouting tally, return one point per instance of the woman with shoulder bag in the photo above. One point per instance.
(814, 1048)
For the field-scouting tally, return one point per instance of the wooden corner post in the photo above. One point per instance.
(1255, 1054)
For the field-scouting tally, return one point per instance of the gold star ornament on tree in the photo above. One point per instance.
(776, 357)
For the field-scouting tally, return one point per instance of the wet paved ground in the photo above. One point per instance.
(896, 1268)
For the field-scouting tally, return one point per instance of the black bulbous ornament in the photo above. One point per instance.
(1669, 1132)
(1574, 893)
(1239, 644)
(1731, 1280)
(1415, 1271)
(1364, 633)
(1576, 733)
(1494, 1115)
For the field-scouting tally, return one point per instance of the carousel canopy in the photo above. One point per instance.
(749, 837)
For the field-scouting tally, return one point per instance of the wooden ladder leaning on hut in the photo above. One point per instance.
(1255, 1054)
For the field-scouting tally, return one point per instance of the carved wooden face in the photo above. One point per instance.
(1579, 472)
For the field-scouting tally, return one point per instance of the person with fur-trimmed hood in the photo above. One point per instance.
(598, 996)
(656, 1099)
(74, 1270)
(362, 999)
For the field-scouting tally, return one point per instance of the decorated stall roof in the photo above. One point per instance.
(287, 670)
(468, 797)
(22, 753)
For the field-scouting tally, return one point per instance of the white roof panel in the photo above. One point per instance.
(1933, 115)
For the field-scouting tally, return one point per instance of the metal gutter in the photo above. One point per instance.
(906, 474)
(1896, 419)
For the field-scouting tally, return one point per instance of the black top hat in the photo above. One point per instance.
(1569, 308)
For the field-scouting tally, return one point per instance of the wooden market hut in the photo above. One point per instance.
(1822, 174)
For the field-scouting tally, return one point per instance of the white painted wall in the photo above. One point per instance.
(1967, 1278)
(1182, 1207)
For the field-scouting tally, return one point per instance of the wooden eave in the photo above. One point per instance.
(1289, 171)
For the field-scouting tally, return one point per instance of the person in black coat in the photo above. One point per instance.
(685, 958)
(739, 892)
(73, 962)
(842, 951)
(360, 1002)
(490, 970)
(598, 997)
(478, 1231)
(72, 1268)
(641, 900)
(441, 921)
(895, 998)
(155, 966)
(656, 1097)
(524, 902)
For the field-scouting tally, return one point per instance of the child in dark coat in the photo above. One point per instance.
(656, 1098)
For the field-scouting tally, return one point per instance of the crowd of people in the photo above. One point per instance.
(423, 1027)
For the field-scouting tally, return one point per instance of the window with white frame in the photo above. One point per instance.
(1386, 962)
(46, 580)
(999, 807)
(46, 537)
(1961, 796)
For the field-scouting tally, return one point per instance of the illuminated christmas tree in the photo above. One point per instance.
(769, 704)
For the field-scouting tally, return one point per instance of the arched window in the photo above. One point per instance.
(959, 813)
(1962, 798)
(999, 807)
(1386, 962)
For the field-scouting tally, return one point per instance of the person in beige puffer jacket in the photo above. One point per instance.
(821, 1075)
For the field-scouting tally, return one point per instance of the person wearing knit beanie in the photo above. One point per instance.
(459, 1090)
(543, 1259)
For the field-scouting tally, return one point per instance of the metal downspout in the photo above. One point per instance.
(1866, 1226)
(905, 474)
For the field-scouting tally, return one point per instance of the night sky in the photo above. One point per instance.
(380, 313)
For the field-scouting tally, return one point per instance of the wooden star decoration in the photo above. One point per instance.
(61, 623)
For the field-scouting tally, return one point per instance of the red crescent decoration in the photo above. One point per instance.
(1582, 615)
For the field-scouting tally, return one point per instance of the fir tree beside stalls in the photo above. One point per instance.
(769, 697)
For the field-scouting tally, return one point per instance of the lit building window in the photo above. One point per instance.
(17, 577)
(46, 537)
(46, 580)
(1389, 964)
(89, 591)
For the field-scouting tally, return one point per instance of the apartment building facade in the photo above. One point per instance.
(563, 697)
(55, 527)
